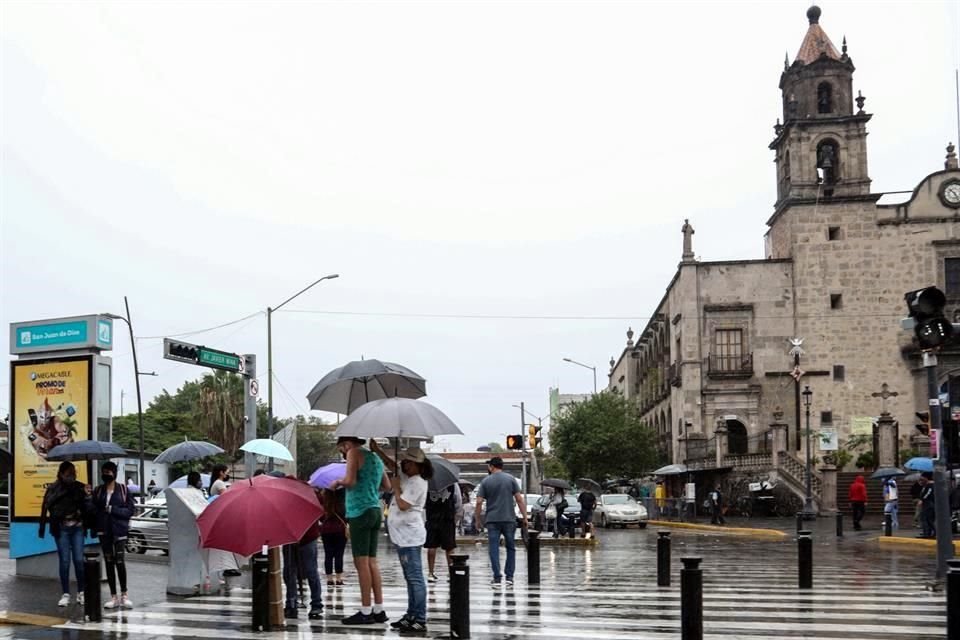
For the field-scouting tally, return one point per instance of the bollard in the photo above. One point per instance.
(460, 597)
(260, 566)
(533, 557)
(953, 599)
(663, 559)
(805, 560)
(691, 600)
(799, 522)
(888, 524)
(91, 588)
(839, 525)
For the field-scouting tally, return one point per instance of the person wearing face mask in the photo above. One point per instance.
(114, 508)
(65, 505)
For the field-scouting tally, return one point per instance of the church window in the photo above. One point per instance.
(833, 233)
(951, 271)
(836, 300)
(826, 417)
(729, 349)
(839, 372)
(828, 161)
(824, 98)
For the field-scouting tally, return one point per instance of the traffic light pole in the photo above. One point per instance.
(940, 489)
(523, 450)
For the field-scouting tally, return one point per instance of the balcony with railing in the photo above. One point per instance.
(730, 366)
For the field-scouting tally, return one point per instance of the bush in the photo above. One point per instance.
(866, 460)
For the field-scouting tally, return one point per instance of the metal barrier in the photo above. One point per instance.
(5, 510)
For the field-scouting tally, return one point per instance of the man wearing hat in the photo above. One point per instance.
(500, 490)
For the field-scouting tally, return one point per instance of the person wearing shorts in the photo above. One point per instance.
(442, 507)
(364, 479)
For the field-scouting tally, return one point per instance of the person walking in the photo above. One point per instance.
(218, 480)
(928, 515)
(500, 490)
(113, 506)
(333, 534)
(890, 498)
(588, 502)
(363, 480)
(916, 489)
(559, 502)
(301, 559)
(716, 506)
(660, 498)
(442, 508)
(408, 531)
(857, 495)
(66, 505)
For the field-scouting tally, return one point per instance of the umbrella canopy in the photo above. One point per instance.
(671, 470)
(181, 482)
(466, 485)
(356, 383)
(913, 477)
(914, 464)
(323, 477)
(397, 418)
(86, 450)
(592, 485)
(556, 483)
(887, 472)
(268, 448)
(445, 473)
(6, 462)
(256, 512)
(188, 450)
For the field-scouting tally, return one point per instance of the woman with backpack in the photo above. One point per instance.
(66, 504)
(114, 508)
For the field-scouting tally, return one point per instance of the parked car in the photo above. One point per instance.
(537, 511)
(619, 509)
(529, 499)
(149, 528)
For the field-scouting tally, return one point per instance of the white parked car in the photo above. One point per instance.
(619, 509)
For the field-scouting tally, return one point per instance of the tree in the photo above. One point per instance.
(220, 410)
(496, 447)
(316, 444)
(603, 437)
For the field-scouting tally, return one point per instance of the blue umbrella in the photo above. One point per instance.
(86, 450)
(188, 450)
(323, 477)
(914, 464)
(269, 448)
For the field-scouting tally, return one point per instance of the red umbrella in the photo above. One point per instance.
(257, 512)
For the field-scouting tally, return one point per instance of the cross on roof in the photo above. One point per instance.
(884, 394)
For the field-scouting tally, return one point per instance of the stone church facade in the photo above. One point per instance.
(714, 369)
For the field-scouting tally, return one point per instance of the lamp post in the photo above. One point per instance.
(586, 366)
(270, 311)
(808, 498)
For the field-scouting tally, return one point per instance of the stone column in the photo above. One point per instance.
(721, 440)
(828, 487)
(681, 456)
(778, 428)
(887, 454)
(921, 443)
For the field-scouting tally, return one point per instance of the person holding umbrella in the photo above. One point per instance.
(66, 503)
(363, 480)
(114, 508)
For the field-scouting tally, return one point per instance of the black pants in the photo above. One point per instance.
(928, 518)
(114, 554)
(717, 515)
(859, 509)
(334, 544)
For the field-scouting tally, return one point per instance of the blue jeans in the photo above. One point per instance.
(892, 508)
(507, 530)
(301, 561)
(70, 546)
(411, 559)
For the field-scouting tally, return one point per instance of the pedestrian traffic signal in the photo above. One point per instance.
(535, 438)
(515, 442)
(925, 306)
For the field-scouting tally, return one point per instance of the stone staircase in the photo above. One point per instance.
(794, 474)
(874, 494)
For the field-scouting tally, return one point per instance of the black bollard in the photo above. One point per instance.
(839, 525)
(691, 600)
(260, 566)
(663, 559)
(533, 557)
(91, 587)
(888, 524)
(799, 522)
(460, 597)
(805, 560)
(953, 599)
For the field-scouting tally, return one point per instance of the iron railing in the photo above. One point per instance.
(733, 366)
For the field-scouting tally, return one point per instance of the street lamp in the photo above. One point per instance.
(808, 498)
(270, 311)
(586, 366)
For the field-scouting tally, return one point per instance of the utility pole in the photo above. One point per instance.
(523, 450)
(941, 491)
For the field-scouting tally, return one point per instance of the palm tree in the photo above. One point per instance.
(220, 410)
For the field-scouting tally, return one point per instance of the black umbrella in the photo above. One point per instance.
(556, 483)
(445, 473)
(592, 485)
(887, 472)
(6, 462)
(356, 383)
(188, 450)
(86, 450)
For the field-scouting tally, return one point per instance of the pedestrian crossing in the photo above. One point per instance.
(610, 593)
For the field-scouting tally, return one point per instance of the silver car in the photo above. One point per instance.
(149, 529)
(619, 509)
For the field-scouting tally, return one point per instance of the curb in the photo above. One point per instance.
(544, 542)
(32, 619)
(773, 534)
(917, 544)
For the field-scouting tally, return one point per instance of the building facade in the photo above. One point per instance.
(715, 367)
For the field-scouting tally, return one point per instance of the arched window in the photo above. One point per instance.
(824, 98)
(828, 160)
(737, 443)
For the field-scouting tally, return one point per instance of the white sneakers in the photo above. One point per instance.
(113, 604)
(122, 602)
(80, 598)
(125, 602)
(64, 600)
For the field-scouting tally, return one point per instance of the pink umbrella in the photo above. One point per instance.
(262, 511)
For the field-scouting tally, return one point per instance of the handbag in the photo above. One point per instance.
(550, 513)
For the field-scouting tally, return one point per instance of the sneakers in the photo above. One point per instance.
(509, 582)
(125, 602)
(330, 583)
(380, 617)
(358, 618)
(114, 603)
(432, 577)
(403, 621)
(315, 614)
(414, 628)
(290, 613)
(64, 600)
(495, 583)
(80, 598)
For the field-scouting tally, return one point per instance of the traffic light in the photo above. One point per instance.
(535, 438)
(515, 443)
(183, 351)
(924, 426)
(925, 306)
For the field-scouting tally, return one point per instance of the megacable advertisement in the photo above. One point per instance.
(51, 406)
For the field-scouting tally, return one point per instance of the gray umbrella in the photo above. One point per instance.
(671, 470)
(188, 450)
(592, 485)
(887, 472)
(556, 483)
(397, 418)
(86, 450)
(356, 383)
(445, 473)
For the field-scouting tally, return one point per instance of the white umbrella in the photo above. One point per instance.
(397, 418)
(671, 470)
(267, 448)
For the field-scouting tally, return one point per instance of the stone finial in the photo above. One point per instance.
(843, 49)
(860, 101)
(629, 337)
(688, 232)
(613, 363)
(951, 162)
(777, 128)
(813, 14)
(786, 60)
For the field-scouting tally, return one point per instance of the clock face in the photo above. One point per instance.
(950, 193)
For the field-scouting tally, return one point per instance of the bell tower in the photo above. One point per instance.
(821, 145)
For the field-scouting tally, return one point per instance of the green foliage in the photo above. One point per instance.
(906, 454)
(550, 466)
(866, 461)
(496, 447)
(603, 437)
(316, 444)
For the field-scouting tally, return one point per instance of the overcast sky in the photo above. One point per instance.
(533, 160)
